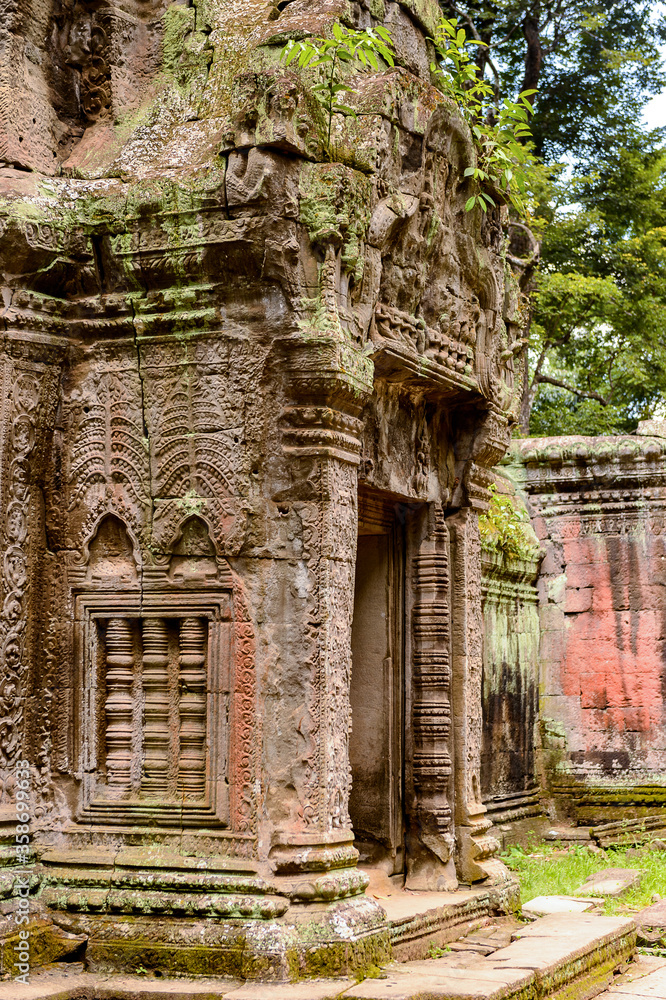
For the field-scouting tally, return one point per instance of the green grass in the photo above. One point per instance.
(554, 875)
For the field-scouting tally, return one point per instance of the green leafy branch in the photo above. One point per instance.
(501, 134)
(505, 526)
(334, 55)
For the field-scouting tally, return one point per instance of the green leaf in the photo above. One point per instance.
(469, 204)
(290, 54)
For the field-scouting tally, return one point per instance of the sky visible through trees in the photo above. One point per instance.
(596, 345)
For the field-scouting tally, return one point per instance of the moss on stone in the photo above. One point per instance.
(335, 208)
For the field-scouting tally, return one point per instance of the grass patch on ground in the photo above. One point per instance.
(546, 870)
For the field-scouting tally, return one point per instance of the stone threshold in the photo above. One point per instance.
(560, 957)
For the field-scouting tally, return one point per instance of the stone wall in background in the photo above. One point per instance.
(510, 673)
(598, 506)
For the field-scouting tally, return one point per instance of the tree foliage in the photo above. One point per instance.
(595, 268)
(598, 336)
(501, 132)
(593, 62)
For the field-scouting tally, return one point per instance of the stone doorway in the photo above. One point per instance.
(377, 685)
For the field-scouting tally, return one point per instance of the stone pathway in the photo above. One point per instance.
(561, 956)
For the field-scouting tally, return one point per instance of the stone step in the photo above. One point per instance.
(644, 980)
(559, 957)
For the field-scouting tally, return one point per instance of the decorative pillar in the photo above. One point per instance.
(30, 371)
(119, 706)
(155, 676)
(430, 864)
(475, 847)
(192, 706)
(321, 438)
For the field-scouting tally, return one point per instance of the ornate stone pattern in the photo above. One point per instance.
(86, 49)
(450, 345)
(25, 392)
(194, 406)
(155, 676)
(192, 709)
(119, 704)
(431, 700)
(243, 761)
(336, 681)
(473, 845)
(191, 665)
(105, 464)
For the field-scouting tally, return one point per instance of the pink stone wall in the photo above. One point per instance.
(599, 510)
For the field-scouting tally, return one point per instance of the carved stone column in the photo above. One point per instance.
(475, 848)
(30, 368)
(119, 705)
(321, 439)
(155, 678)
(430, 864)
(192, 706)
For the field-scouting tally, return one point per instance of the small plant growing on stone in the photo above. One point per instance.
(436, 952)
(503, 525)
(333, 55)
(501, 133)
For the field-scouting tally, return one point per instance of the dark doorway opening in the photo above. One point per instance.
(377, 685)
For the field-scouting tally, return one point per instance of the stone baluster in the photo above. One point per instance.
(118, 706)
(155, 778)
(193, 694)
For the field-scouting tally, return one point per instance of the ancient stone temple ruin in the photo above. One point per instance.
(252, 388)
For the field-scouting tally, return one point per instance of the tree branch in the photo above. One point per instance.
(569, 388)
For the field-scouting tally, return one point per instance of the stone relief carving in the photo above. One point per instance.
(25, 398)
(86, 49)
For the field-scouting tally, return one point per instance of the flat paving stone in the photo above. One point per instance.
(550, 944)
(611, 882)
(650, 987)
(540, 906)
(454, 984)
(311, 990)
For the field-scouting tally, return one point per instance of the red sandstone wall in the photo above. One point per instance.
(602, 592)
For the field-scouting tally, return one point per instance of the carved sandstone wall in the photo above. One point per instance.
(213, 327)
(598, 510)
(510, 698)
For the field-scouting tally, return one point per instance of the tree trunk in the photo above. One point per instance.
(526, 394)
(534, 52)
